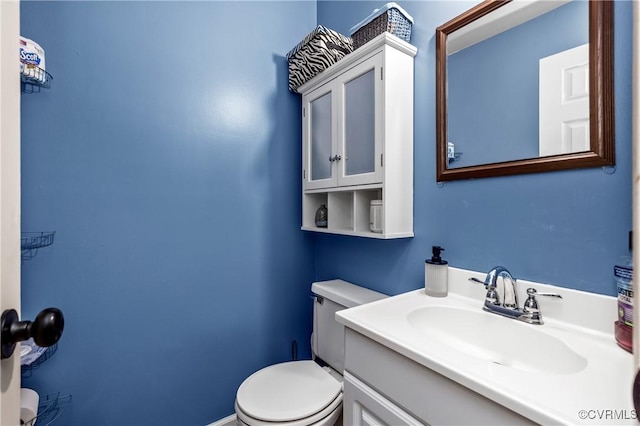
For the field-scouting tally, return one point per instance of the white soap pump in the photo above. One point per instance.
(436, 274)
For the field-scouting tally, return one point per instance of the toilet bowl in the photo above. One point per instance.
(296, 393)
(302, 393)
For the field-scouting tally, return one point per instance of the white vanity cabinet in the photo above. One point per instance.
(357, 133)
(363, 406)
(382, 387)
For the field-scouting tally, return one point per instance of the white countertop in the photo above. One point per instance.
(598, 394)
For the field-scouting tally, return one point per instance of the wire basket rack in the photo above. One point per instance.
(31, 241)
(51, 406)
(49, 409)
(35, 357)
(32, 79)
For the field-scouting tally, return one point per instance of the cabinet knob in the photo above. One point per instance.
(46, 329)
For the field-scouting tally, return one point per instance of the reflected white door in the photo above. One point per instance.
(564, 102)
(9, 199)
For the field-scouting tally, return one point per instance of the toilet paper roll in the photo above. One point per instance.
(29, 400)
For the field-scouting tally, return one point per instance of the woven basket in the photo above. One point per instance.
(392, 21)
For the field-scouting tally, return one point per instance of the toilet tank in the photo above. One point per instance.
(328, 334)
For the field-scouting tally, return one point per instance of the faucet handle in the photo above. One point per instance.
(532, 293)
(491, 297)
(531, 304)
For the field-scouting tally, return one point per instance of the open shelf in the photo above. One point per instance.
(341, 211)
(348, 212)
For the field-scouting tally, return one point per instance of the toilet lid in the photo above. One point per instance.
(288, 391)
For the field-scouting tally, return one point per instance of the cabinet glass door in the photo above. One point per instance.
(319, 129)
(321, 138)
(359, 130)
(361, 117)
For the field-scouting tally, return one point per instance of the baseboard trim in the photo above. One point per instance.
(227, 421)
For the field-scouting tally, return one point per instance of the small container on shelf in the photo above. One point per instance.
(322, 216)
(375, 216)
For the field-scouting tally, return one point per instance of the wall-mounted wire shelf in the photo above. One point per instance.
(32, 79)
(49, 409)
(33, 356)
(32, 241)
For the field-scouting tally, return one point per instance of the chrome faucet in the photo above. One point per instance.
(509, 307)
(510, 297)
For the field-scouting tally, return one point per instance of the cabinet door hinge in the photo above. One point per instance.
(381, 160)
(304, 112)
(304, 174)
(381, 73)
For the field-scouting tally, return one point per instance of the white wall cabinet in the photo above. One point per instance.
(357, 125)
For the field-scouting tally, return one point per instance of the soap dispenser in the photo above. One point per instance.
(436, 274)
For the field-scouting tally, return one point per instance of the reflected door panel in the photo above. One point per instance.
(564, 102)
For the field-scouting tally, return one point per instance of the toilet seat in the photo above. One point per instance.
(293, 393)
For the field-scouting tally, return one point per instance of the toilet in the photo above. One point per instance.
(306, 393)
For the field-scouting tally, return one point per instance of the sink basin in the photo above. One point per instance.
(499, 340)
(544, 373)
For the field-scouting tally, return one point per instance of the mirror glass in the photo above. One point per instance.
(522, 87)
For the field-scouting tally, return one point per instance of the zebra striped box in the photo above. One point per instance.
(319, 50)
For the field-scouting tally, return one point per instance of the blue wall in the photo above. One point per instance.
(563, 228)
(493, 86)
(166, 157)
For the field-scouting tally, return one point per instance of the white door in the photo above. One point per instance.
(9, 199)
(564, 102)
(635, 136)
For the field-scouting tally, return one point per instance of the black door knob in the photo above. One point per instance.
(45, 330)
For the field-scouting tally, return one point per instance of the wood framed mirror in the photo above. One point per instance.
(595, 131)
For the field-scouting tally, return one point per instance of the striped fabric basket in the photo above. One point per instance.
(319, 50)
